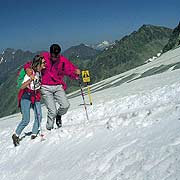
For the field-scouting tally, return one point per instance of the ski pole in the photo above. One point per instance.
(82, 94)
(39, 121)
(89, 94)
(40, 126)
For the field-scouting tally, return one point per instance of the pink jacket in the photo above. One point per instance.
(55, 72)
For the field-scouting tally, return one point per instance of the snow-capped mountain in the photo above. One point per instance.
(132, 132)
(102, 45)
(129, 52)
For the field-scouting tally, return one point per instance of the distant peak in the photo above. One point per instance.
(105, 42)
(145, 26)
(82, 44)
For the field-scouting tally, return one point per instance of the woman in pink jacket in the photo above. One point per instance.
(53, 86)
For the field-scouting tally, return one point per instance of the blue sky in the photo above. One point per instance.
(34, 25)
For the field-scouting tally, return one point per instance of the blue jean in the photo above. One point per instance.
(25, 109)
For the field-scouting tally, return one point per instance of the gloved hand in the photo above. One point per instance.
(77, 71)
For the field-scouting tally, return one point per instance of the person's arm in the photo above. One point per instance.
(27, 81)
(29, 72)
(70, 69)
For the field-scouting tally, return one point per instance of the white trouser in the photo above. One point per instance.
(51, 95)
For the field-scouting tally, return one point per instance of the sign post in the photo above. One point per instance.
(86, 79)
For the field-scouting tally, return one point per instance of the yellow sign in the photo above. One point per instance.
(85, 76)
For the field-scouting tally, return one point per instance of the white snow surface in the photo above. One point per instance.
(133, 133)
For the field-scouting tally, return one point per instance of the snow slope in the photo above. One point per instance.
(133, 133)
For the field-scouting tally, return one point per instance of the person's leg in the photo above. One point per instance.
(37, 118)
(58, 121)
(25, 108)
(47, 93)
(61, 98)
(63, 102)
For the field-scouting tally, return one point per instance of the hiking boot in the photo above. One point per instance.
(58, 121)
(15, 139)
(33, 136)
(49, 129)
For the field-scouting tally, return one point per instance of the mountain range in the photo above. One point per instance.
(131, 51)
(80, 51)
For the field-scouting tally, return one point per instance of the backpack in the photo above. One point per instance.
(21, 73)
(20, 77)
